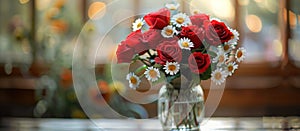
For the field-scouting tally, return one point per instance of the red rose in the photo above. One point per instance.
(199, 19)
(223, 32)
(159, 19)
(195, 34)
(124, 53)
(134, 40)
(173, 39)
(211, 35)
(152, 38)
(168, 51)
(199, 62)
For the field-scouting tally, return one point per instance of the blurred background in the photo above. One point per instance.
(37, 39)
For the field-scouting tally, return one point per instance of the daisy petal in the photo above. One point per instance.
(171, 68)
(185, 43)
(240, 54)
(218, 76)
(134, 80)
(138, 24)
(180, 20)
(152, 74)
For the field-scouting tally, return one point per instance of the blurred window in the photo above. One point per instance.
(15, 29)
(294, 25)
(260, 26)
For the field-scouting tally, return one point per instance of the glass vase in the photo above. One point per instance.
(181, 109)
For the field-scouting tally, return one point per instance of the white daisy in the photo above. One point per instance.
(231, 67)
(180, 20)
(218, 76)
(235, 38)
(138, 24)
(227, 47)
(221, 57)
(240, 54)
(172, 68)
(173, 6)
(152, 74)
(185, 43)
(134, 80)
(168, 31)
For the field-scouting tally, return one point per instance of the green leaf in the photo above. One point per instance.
(206, 75)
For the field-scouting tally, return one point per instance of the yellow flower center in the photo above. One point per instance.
(180, 20)
(226, 47)
(172, 67)
(230, 68)
(139, 25)
(239, 54)
(185, 44)
(133, 80)
(232, 37)
(152, 73)
(218, 76)
(169, 32)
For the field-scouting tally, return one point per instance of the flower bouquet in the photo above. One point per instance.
(180, 50)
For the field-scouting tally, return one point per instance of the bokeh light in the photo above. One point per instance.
(294, 49)
(96, 10)
(254, 23)
(24, 1)
(222, 9)
(270, 5)
(293, 19)
(277, 46)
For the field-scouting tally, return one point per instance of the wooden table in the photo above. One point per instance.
(223, 124)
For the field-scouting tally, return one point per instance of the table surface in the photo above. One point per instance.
(222, 124)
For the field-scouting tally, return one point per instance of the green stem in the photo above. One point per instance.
(140, 69)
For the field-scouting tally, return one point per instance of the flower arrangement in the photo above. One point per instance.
(169, 43)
